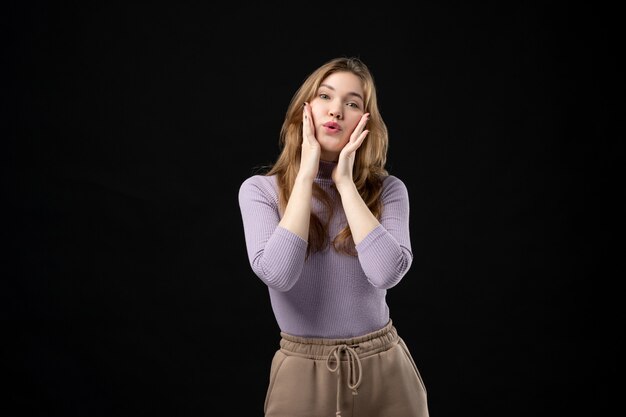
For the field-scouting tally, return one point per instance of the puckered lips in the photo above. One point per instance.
(332, 127)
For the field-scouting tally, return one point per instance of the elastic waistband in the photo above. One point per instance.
(320, 348)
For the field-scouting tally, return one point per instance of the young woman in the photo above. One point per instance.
(327, 230)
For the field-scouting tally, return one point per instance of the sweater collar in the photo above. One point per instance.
(325, 170)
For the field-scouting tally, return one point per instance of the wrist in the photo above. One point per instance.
(346, 186)
(305, 178)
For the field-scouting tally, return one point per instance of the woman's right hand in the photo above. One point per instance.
(311, 150)
(297, 215)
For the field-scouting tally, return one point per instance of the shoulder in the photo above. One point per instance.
(259, 180)
(391, 182)
(258, 184)
(393, 187)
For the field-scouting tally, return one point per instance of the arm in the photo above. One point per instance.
(359, 216)
(277, 246)
(297, 214)
(384, 247)
(276, 255)
(385, 253)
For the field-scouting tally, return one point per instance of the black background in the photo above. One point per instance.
(127, 289)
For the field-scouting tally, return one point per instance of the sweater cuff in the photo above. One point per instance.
(291, 238)
(371, 237)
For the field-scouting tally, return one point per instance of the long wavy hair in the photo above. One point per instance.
(369, 165)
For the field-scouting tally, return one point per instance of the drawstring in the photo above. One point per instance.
(354, 370)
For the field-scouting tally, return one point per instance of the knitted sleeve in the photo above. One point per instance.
(385, 253)
(276, 255)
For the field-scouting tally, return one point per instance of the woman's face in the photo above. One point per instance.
(336, 110)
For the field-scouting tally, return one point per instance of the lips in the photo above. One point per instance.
(332, 126)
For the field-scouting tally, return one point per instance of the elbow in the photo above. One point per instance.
(281, 282)
(385, 281)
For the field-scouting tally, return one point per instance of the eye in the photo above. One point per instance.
(354, 105)
(324, 96)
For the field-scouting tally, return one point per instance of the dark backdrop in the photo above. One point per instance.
(127, 290)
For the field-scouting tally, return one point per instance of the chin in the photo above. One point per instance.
(332, 145)
(331, 151)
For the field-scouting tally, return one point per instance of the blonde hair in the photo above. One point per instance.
(369, 165)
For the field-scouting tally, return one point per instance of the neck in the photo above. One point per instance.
(325, 170)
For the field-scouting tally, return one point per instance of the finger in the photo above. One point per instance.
(306, 122)
(360, 139)
(355, 144)
(360, 127)
(364, 119)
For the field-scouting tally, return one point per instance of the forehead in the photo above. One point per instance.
(343, 83)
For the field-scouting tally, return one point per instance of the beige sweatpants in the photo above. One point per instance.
(373, 375)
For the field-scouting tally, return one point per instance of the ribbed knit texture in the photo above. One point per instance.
(330, 294)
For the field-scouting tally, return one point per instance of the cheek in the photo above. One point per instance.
(354, 123)
(317, 115)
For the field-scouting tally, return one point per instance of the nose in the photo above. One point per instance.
(335, 113)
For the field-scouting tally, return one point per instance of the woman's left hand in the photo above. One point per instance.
(342, 174)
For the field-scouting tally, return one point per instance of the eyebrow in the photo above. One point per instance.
(351, 93)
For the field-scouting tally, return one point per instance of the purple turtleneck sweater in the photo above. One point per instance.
(329, 295)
